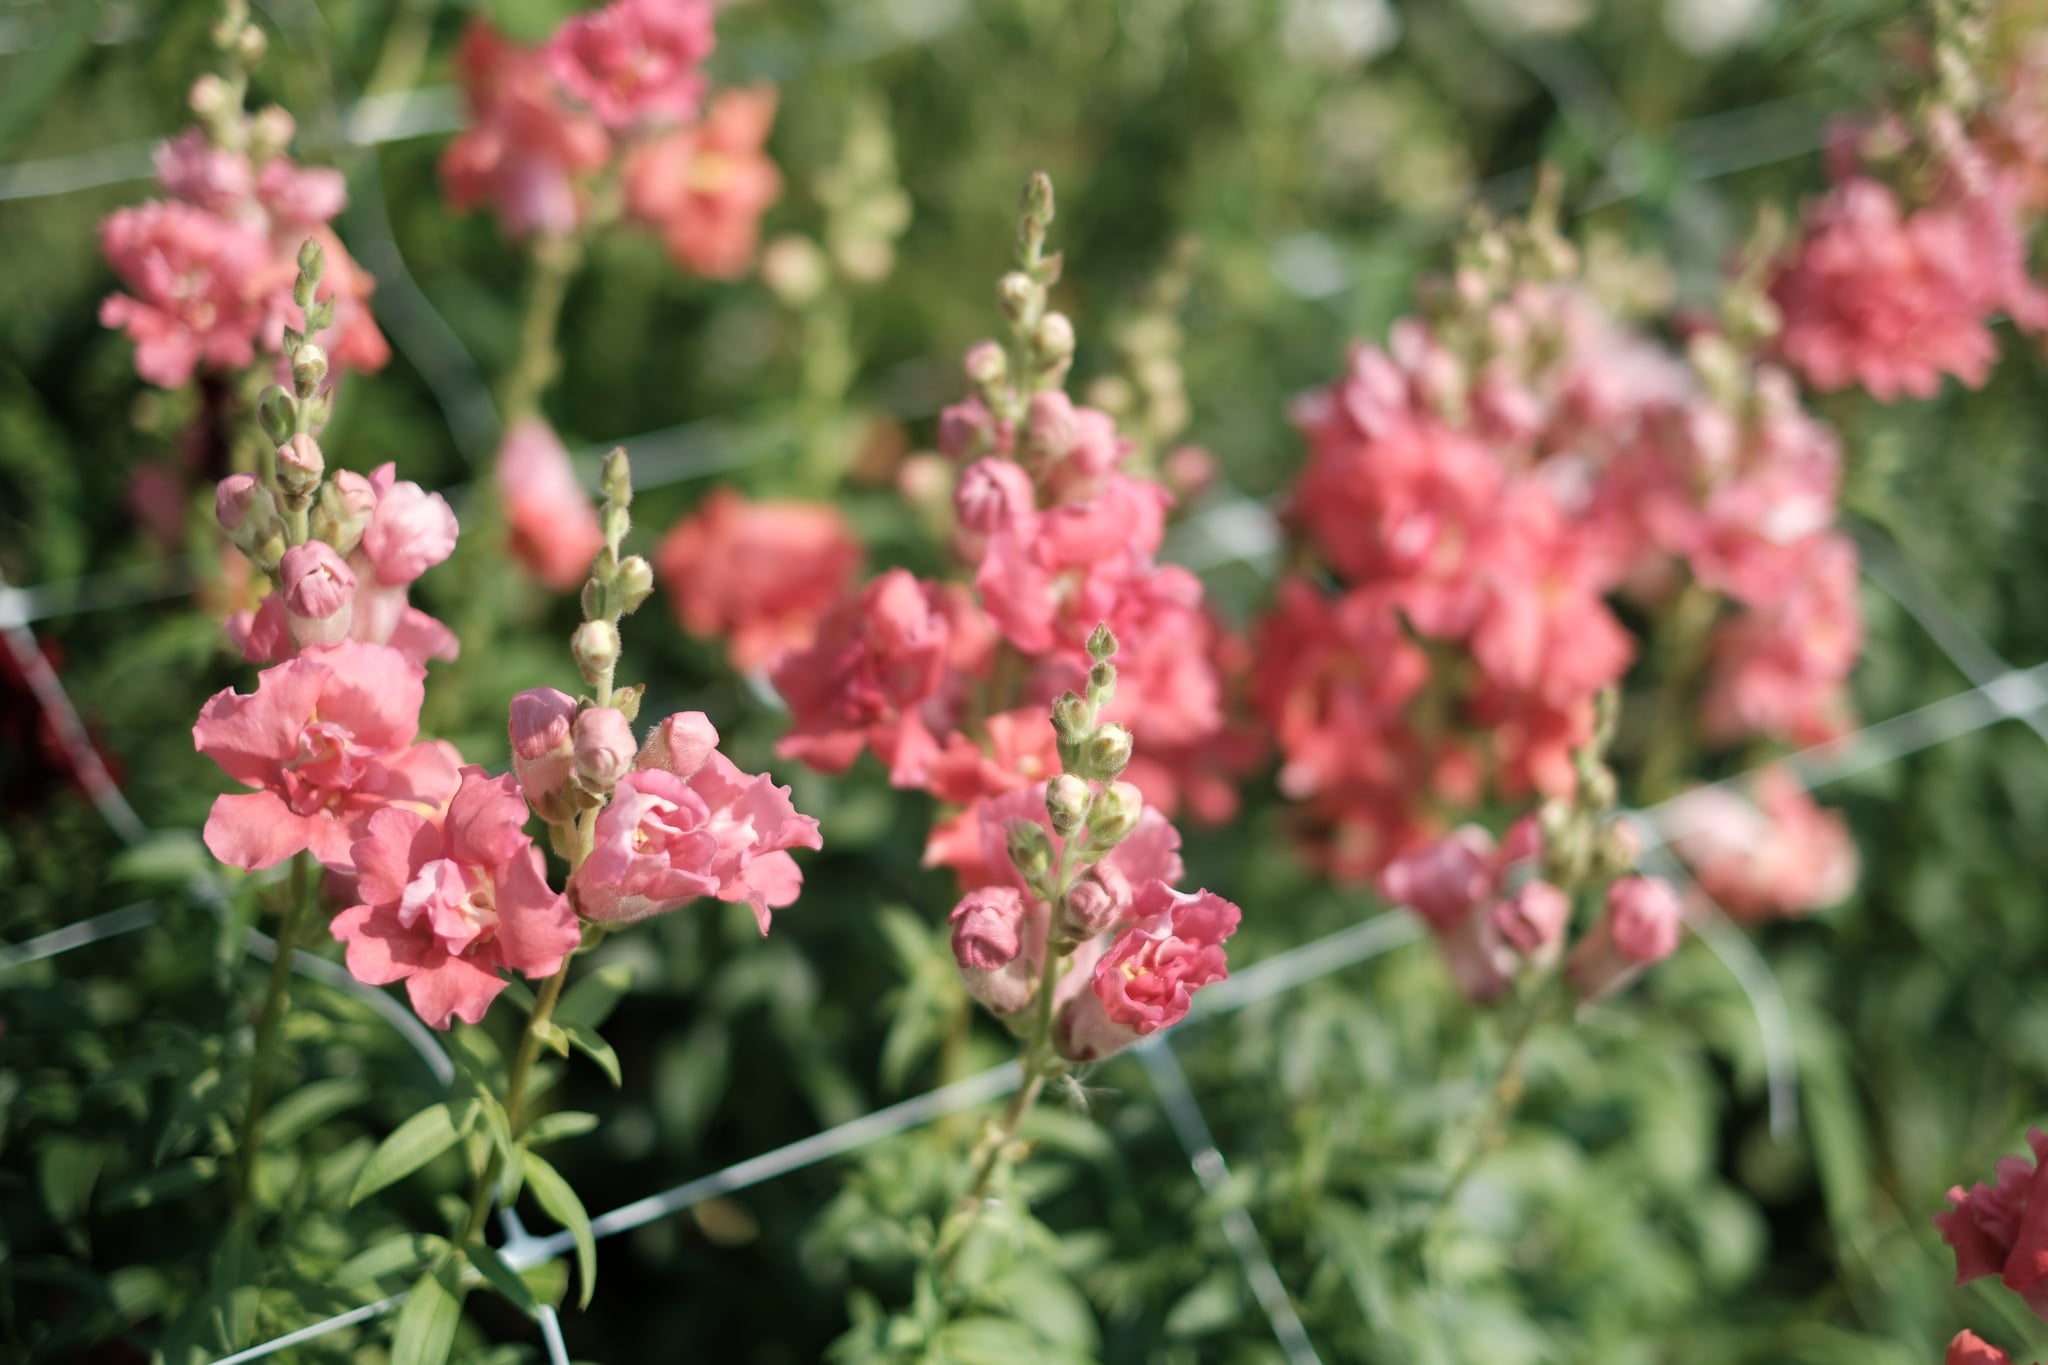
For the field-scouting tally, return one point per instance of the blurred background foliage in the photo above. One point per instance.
(1323, 153)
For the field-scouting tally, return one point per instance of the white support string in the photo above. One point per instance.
(1184, 1113)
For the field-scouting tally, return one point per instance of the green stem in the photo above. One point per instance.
(276, 1003)
(555, 262)
(1683, 642)
(515, 1095)
(1501, 1100)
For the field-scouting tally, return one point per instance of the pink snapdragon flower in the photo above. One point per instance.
(525, 149)
(1147, 979)
(2002, 1229)
(1643, 925)
(704, 188)
(635, 61)
(1779, 668)
(1970, 1349)
(1778, 854)
(449, 904)
(198, 285)
(758, 575)
(991, 927)
(877, 675)
(554, 526)
(542, 728)
(688, 823)
(409, 531)
(327, 739)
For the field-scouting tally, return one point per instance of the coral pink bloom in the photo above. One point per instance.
(1780, 855)
(1022, 750)
(990, 929)
(191, 168)
(705, 188)
(447, 905)
(328, 739)
(758, 575)
(1446, 881)
(1778, 668)
(1147, 979)
(1970, 1349)
(525, 149)
(878, 658)
(635, 60)
(409, 531)
(2002, 1229)
(1643, 925)
(1544, 629)
(542, 729)
(1886, 300)
(554, 527)
(197, 292)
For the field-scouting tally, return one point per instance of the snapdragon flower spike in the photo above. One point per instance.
(2002, 1228)
(1491, 917)
(327, 739)
(449, 903)
(527, 149)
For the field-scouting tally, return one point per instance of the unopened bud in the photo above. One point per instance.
(1017, 292)
(617, 479)
(1097, 900)
(1072, 717)
(1066, 803)
(1030, 850)
(604, 747)
(1102, 683)
(544, 749)
(1105, 754)
(300, 465)
(210, 97)
(250, 45)
(319, 594)
(312, 260)
(795, 269)
(1054, 339)
(635, 583)
(1597, 790)
(242, 504)
(274, 412)
(346, 502)
(1112, 816)
(596, 647)
(1102, 642)
(309, 367)
(985, 364)
(1038, 199)
(270, 132)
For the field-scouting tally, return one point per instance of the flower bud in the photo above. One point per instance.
(988, 928)
(1017, 292)
(250, 45)
(1049, 424)
(794, 269)
(1102, 642)
(1097, 901)
(270, 132)
(635, 584)
(992, 493)
(1102, 684)
(604, 747)
(299, 466)
(1030, 850)
(596, 647)
(346, 502)
(1643, 925)
(1073, 717)
(681, 744)
(241, 504)
(210, 97)
(966, 429)
(274, 414)
(616, 478)
(309, 368)
(1066, 803)
(1112, 815)
(985, 364)
(319, 594)
(1105, 754)
(1533, 920)
(544, 749)
(1597, 791)
(312, 259)
(1054, 339)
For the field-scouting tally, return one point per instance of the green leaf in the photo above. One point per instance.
(156, 1187)
(565, 1208)
(173, 857)
(501, 1277)
(69, 1170)
(310, 1106)
(393, 1256)
(519, 993)
(586, 1041)
(418, 1140)
(563, 1123)
(236, 1287)
(591, 1001)
(427, 1323)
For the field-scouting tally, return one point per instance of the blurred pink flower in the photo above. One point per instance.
(554, 526)
(2002, 1229)
(1970, 1349)
(758, 575)
(1779, 854)
(635, 60)
(449, 904)
(198, 289)
(1643, 925)
(525, 148)
(704, 188)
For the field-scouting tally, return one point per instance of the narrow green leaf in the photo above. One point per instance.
(565, 1208)
(392, 1256)
(591, 1001)
(427, 1323)
(156, 1187)
(501, 1277)
(519, 993)
(417, 1141)
(563, 1123)
(310, 1106)
(586, 1041)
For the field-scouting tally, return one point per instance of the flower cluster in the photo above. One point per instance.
(614, 111)
(758, 576)
(2002, 1229)
(1498, 911)
(451, 891)
(1071, 917)
(208, 270)
(945, 681)
(1921, 243)
(1483, 489)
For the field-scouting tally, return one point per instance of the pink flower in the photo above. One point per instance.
(1970, 1349)
(525, 149)
(327, 738)
(197, 292)
(554, 527)
(1022, 749)
(2002, 1229)
(1446, 881)
(635, 60)
(879, 657)
(990, 926)
(1781, 854)
(1779, 667)
(408, 532)
(318, 590)
(191, 168)
(705, 188)
(544, 749)
(1147, 979)
(1886, 300)
(1543, 628)
(1643, 925)
(674, 833)
(758, 575)
(448, 904)
(604, 746)
(1532, 921)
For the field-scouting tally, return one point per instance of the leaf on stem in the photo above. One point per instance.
(501, 1277)
(565, 1208)
(591, 1001)
(417, 1141)
(563, 1123)
(427, 1323)
(586, 1041)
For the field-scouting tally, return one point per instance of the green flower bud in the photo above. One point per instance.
(635, 583)
(1102, 643)
(1030, 849)
(1112, 815)
(1105, 754)
(1066, 803)
(596, 647)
